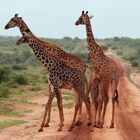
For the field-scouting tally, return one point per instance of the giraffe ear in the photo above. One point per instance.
(16, 15)
(86, 12)
(82, 12)
(90, 17)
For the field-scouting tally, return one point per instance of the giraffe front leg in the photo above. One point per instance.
(46, 110)
(48, 119)
(49, 110)
(60, 107)
(89, 111)
(79, 121)
(114, 99)
(104, 111)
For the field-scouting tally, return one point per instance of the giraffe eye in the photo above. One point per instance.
(13, 20)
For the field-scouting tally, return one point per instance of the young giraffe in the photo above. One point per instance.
(96, 96)
(49, 47)
(106, 68)
(60, 75)
(53, 50)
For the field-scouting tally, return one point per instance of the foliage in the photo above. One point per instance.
(9, 123)
(19, 66)
(21, 80)
(4, 91)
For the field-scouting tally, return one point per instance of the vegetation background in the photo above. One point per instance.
(23, 76)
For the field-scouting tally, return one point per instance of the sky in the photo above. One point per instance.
(56, 18)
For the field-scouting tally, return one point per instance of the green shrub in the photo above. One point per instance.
(36, 88)
(19, 67)
(119, 53)
(4, 91)
(134, 64)
(5, 74)
(21, 80)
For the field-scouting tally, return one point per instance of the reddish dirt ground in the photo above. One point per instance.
(127, 119)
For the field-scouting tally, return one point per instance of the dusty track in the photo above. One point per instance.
(127, 119)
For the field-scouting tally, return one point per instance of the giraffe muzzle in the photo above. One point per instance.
(6, 27)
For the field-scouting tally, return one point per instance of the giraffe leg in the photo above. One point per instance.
(77, 106)
(99, 101)
(60, 107)
(51, 96)
(48, 119)
(104, 93)
(99, 114)
(113, 87)
(49, 110)
(88, 106)
(79, 122)
(104, 111)
(95, 114)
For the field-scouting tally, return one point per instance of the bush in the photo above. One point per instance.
(119, 53)
(134, 64)
(18, 67)
(21, 80)
(4, 91)
(4, 74)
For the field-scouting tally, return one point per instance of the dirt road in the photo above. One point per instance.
(127, 119)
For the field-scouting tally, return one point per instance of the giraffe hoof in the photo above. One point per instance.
(46, 125)
(112, 126)
(99, 126)
(40, 130)
(59, 129)
(89, 124)
(78, 123)
(95, 125)
(91, 129)
(70, 129)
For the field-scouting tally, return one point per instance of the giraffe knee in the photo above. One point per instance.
(113, 99)
(106, 99)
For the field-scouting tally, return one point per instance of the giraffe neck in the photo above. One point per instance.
(24, 28)
(55, 51)
(90, 36)
(95, 50)
(43, 57)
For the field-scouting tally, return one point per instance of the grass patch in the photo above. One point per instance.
(54, 104)
(68, 97)
(9, 123)
(68, 105)
(36, 88)
(28, 111)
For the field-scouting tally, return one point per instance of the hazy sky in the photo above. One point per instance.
(56, 18)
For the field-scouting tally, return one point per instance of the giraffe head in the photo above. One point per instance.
(24, 39)
(83, 19)
(14, 22)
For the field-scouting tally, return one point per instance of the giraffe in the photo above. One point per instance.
(57, 52)
(60, 75)
(49, 47)
(107, 69)
(95, 95)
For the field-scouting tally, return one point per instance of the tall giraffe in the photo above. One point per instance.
(49, 47)
(52, 49)
(60, 75)
(106, 68)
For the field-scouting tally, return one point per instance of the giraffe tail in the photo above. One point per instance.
(116, 96)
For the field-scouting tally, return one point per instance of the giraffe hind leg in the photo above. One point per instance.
(77, 106)
(51, 96)
(79, 122)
